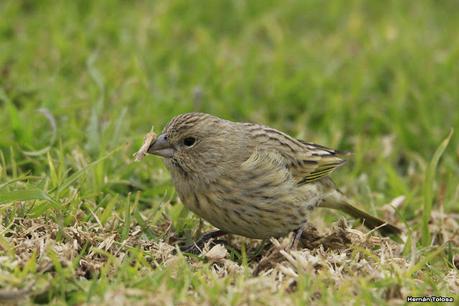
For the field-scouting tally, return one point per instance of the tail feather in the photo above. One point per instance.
(339, 202)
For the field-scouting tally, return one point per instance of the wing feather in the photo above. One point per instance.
(307, 162)
(326, 161)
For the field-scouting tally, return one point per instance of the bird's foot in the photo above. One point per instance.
(297, 237)
(196, 247)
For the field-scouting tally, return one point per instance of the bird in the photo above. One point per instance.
(250, 179)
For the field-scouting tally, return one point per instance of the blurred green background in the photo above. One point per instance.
(309, 67)
(79, 79)
(378, 78)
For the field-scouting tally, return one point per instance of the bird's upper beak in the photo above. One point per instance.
(161, 147)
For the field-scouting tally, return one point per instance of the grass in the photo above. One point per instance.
(81, 82)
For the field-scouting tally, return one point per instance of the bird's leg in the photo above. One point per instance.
(259, 249)
(297, 236)
(195, 247)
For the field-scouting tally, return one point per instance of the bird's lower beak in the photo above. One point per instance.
(161, 147)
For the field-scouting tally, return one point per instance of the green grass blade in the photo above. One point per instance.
(52, 121)
(74, 177)
(428, 189)
(17, 179)
(127, 218)
(423, 261)
(25, 195)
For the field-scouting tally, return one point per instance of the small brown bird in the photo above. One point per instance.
(249, 179)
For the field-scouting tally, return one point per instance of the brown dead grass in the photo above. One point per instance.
(336, 256)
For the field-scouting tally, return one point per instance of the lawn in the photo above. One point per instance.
(82, 82)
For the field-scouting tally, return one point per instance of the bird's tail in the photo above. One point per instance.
(337, 200)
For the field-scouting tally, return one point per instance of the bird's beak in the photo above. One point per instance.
(161, 147)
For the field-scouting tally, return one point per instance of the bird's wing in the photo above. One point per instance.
(267, 169)
(307, 162)
(314, 162)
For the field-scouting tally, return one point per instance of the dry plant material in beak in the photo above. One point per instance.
(147, 141)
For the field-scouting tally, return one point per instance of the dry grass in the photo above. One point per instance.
(338, 259)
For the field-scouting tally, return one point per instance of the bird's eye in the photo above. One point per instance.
(189, 141)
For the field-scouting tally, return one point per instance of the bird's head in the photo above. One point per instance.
(198, 144)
